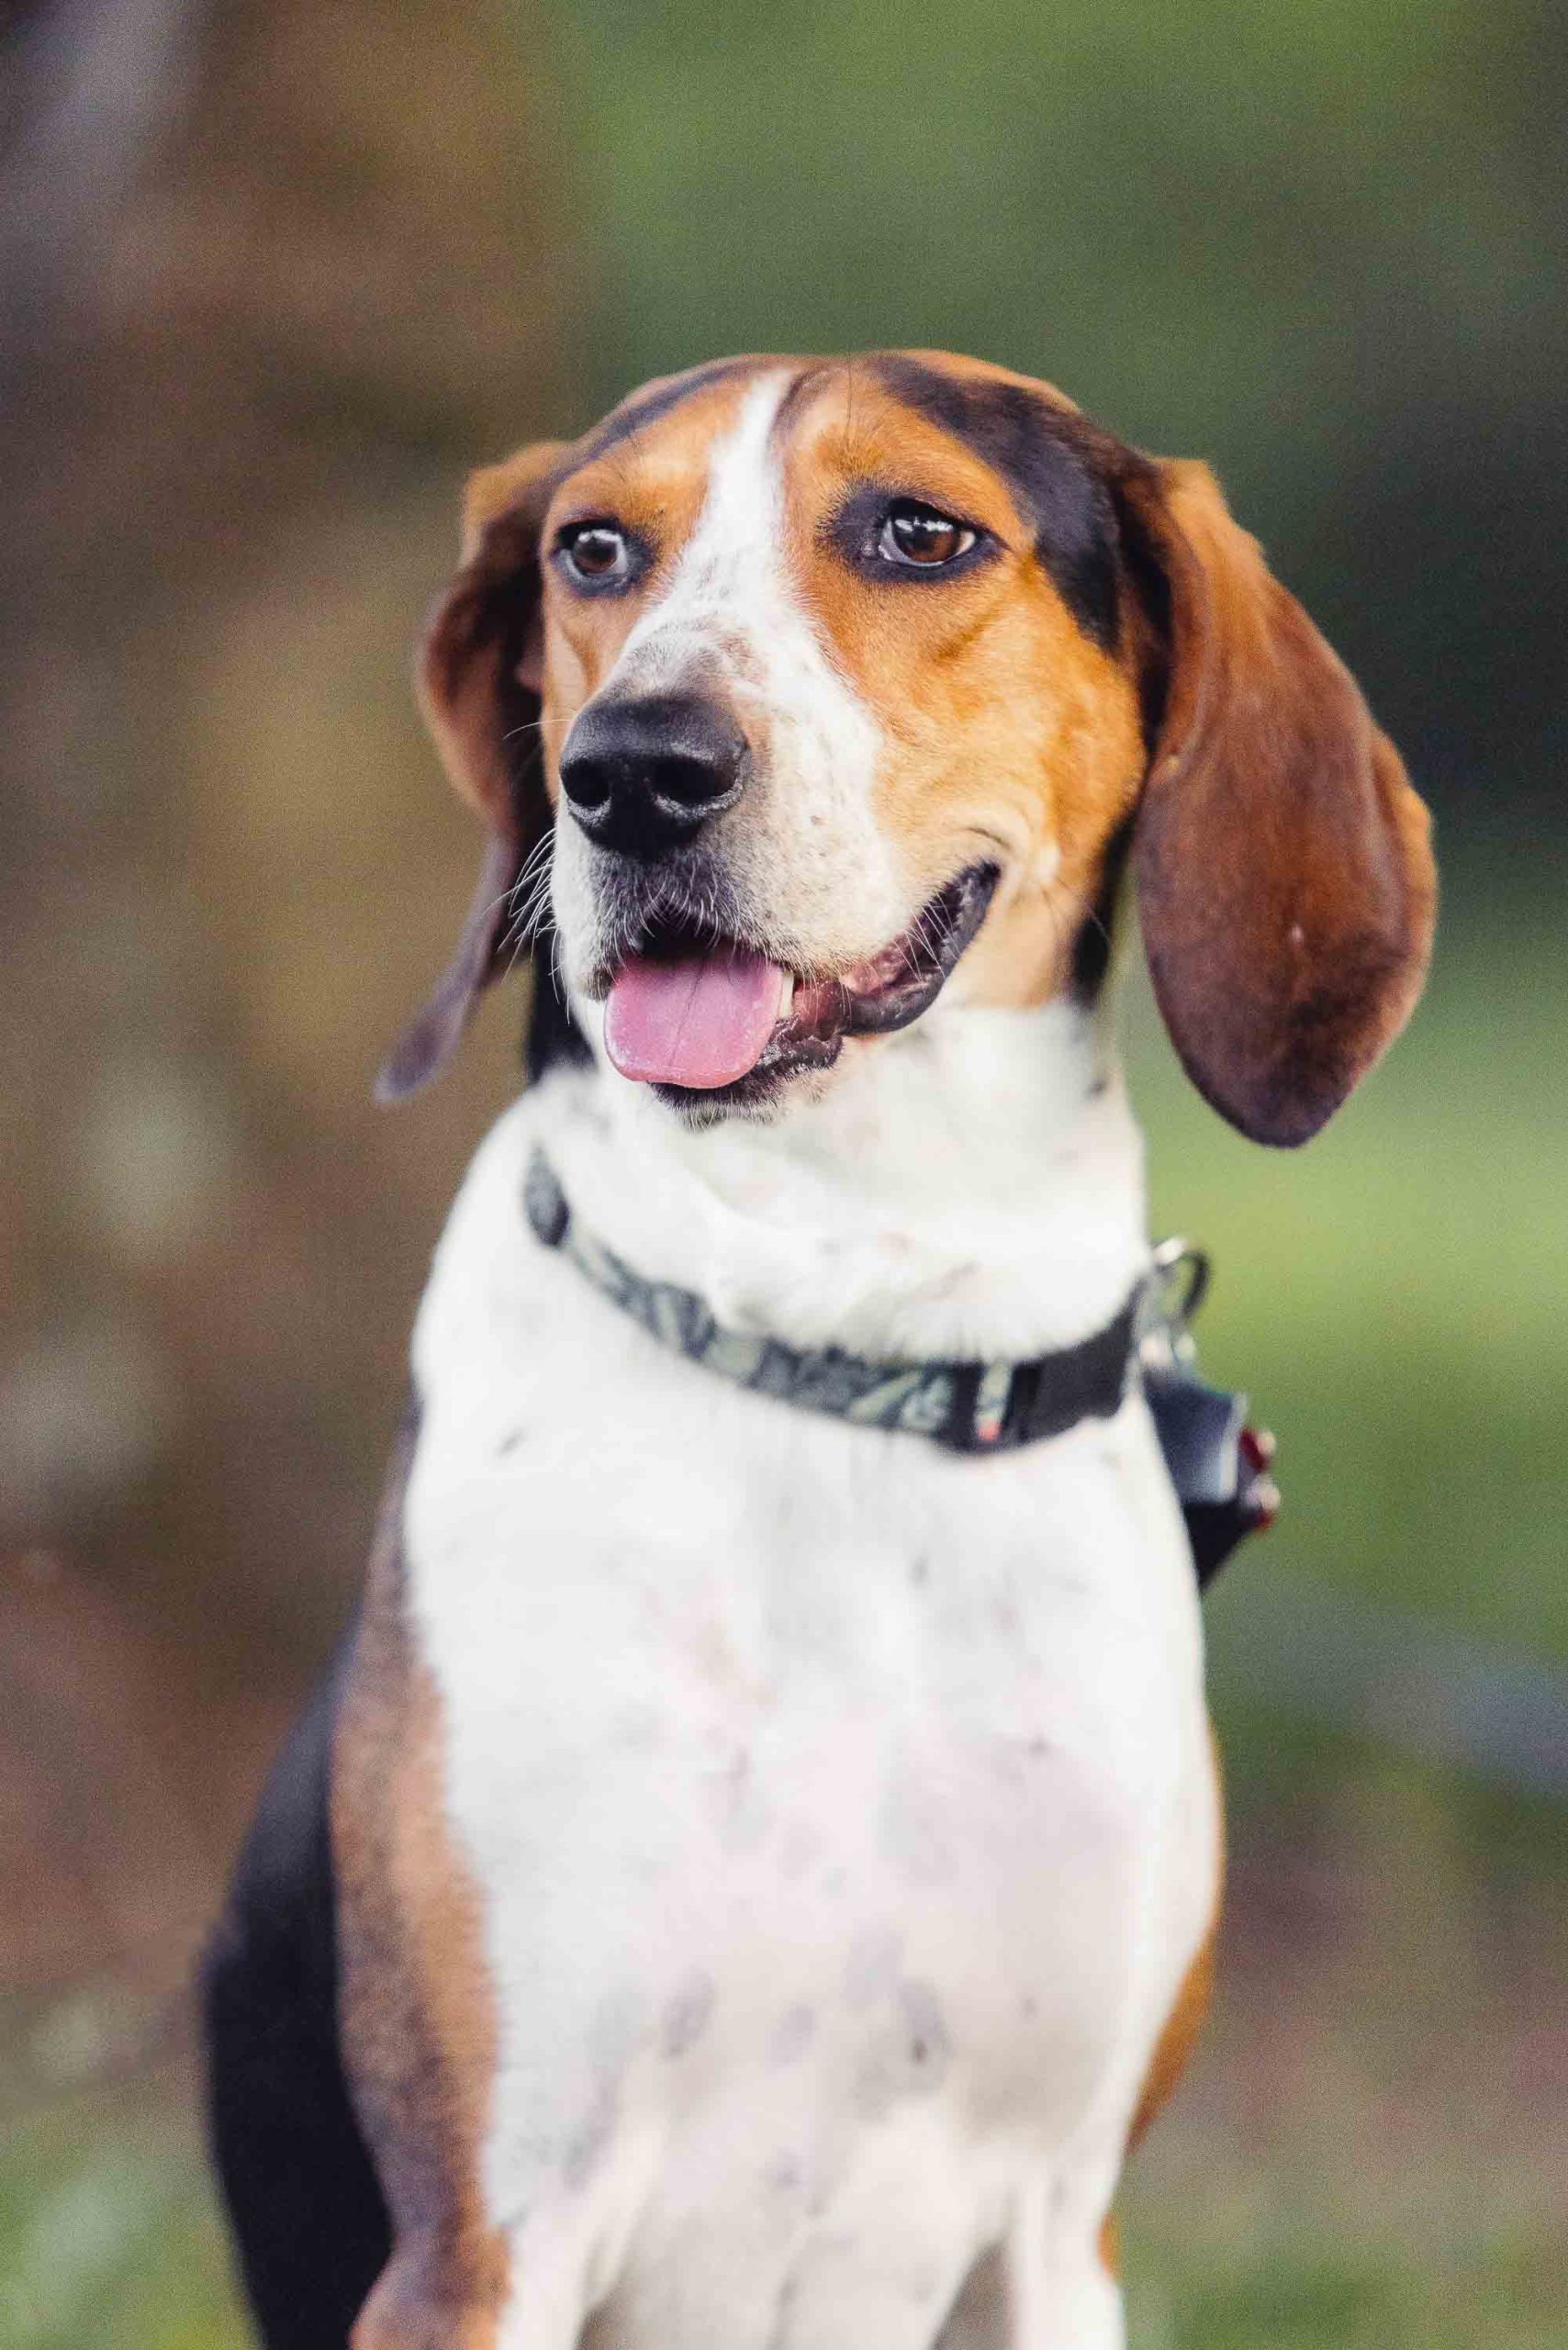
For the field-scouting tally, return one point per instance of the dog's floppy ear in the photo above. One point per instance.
(1284, 877)
(478, 679)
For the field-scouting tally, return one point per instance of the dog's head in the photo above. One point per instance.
(799, 693)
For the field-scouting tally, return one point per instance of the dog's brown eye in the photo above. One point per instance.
(594, 552)
(922, 536)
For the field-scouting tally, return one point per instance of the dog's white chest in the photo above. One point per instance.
(840, 1809)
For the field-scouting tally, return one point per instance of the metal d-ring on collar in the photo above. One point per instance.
(1178, 1283)
(975, 1406)
(1218, 1464)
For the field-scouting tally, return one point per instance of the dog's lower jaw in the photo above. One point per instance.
(787, 1075)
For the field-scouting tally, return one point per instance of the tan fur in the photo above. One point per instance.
(1172, 2053)
(1007, 727)
(1283, 867)
(415, 2002)
(1178, 2038)
(654, 483)
(1178, 2034)
(461, 670)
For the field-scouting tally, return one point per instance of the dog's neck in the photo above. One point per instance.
(973, 1188)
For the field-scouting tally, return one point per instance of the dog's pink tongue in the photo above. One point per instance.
(704, 1020)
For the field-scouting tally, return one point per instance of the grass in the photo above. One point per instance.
(108, 2231)
(1304, 2298)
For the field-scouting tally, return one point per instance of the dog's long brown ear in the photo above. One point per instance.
(478, 682)
(1284, 877)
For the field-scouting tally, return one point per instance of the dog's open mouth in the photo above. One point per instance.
(714, 1016)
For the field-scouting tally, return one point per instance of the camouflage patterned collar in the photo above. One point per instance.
(1219, 1466)
(966, 1406)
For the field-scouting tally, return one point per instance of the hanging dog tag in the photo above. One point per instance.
(1218, 1465)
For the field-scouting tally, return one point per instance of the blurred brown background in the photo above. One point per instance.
(258, 315)
(271, 278)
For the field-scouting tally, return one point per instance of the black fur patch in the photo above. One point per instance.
(310, 2225)
(1045, 458)
(1092, 948)
(629, 419)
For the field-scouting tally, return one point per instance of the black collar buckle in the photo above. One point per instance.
(997, 1406)
(1218, 1464)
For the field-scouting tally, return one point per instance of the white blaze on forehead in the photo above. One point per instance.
(733, 619)
(729, 579)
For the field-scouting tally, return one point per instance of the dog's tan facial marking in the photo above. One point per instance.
(1007, 731)
(651, 483)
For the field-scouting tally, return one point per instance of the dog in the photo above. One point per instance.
(751, 1872)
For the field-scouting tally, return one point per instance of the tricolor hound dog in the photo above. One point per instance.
(751, 1873)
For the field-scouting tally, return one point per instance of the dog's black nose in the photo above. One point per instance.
(643, 777)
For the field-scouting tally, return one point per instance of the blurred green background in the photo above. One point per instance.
(271, 278)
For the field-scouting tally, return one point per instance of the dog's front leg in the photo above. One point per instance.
(1065, 2294)
(1051, 2286)
(418, 2305)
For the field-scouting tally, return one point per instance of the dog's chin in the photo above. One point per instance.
(781, 1081)
(876, 996)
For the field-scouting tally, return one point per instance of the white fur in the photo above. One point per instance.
(841, 1809)
(820, 880)
(972, 1187)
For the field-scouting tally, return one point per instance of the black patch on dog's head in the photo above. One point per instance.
(625, 422)
(1044, 455)
(1093, 945)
